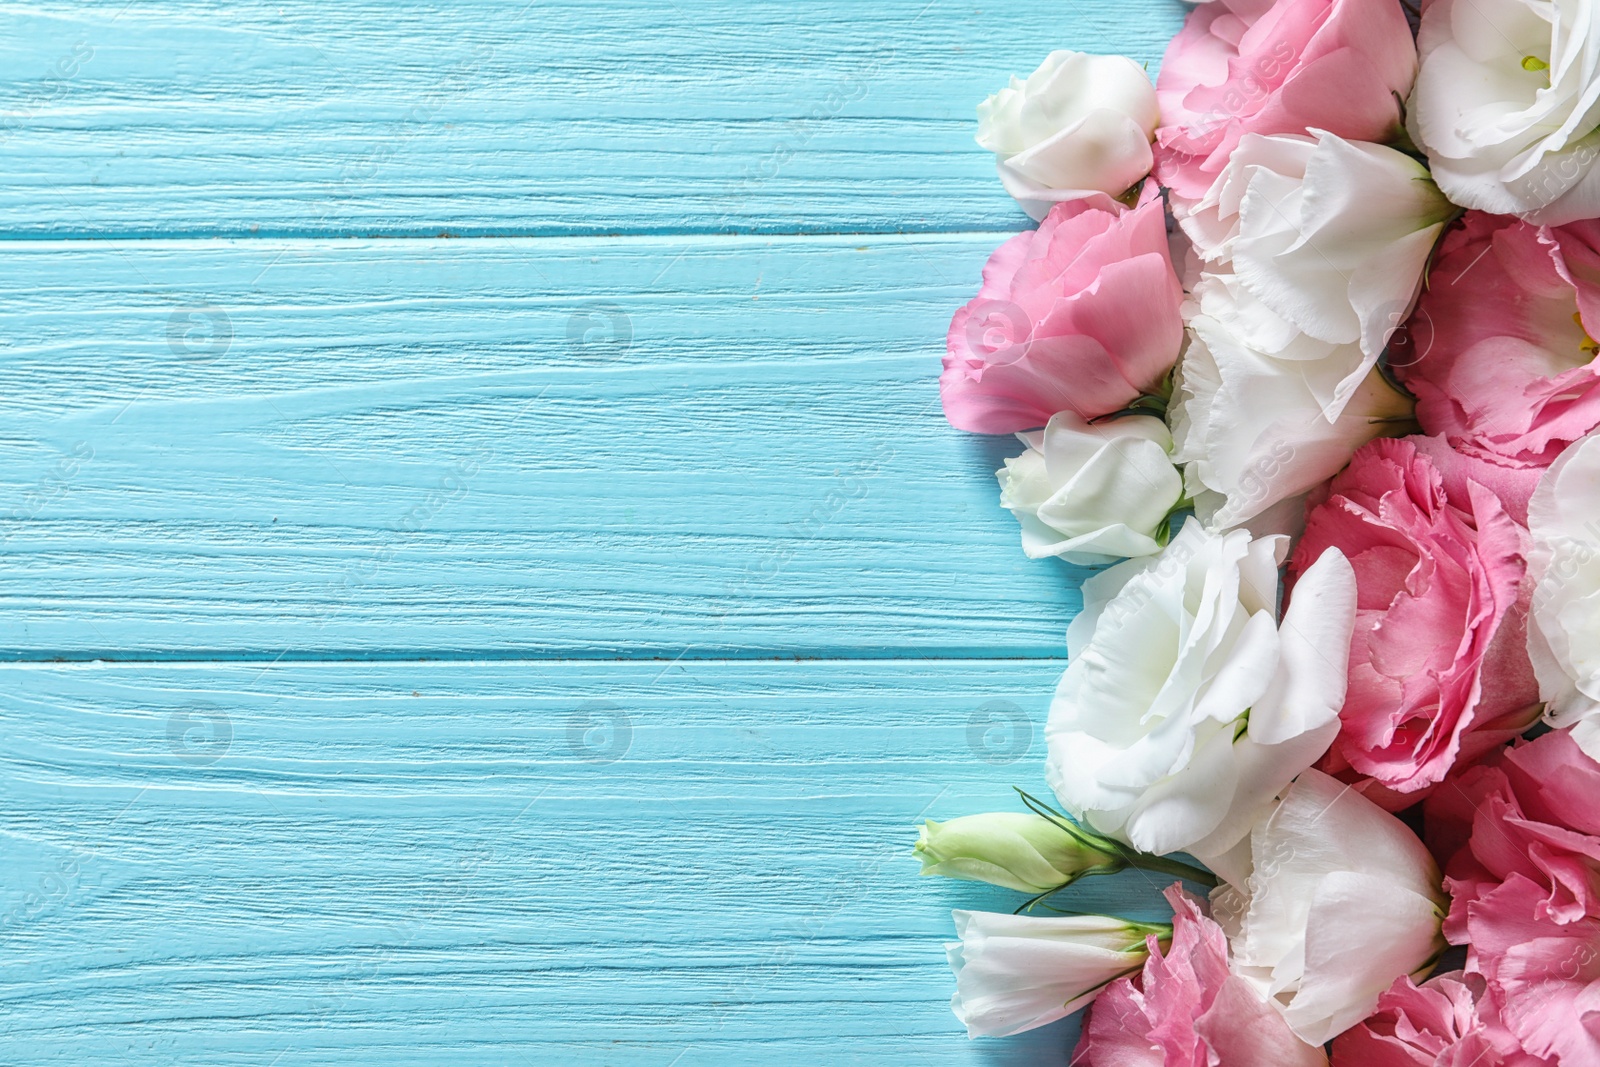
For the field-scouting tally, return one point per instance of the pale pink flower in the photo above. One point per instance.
(1080, 315)
(1187, 1009)
(1255, 66)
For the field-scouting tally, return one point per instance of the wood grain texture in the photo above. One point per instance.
(576, 447)
(520, 118)
(506, 862)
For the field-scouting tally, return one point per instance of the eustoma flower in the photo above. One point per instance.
(1079, 315)
(1188, 1009)
(1243, 67)
(1505, 105)
(1437, 602)
(1439, 669)
(1327, 240)
(1016, 972)
(1093, 493)
(1447, 1022)
(1564, 633)
(1253, 429)
(1500, 355)
(1018, 850)
(1341, 900)
(1521, 837)
(1078, 126)
(1313, 250)
(1187, 704)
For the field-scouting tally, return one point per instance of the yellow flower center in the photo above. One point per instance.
(1590, 346)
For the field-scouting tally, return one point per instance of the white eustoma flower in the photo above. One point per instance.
(1564, 564)
(1253, 427)
(1507, 105)
(1186, 706)
(1328, 241)
(1342, 900)
(1079, 125)
(1016, 972)
(1093, 492)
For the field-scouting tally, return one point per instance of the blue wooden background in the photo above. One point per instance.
(485, 576)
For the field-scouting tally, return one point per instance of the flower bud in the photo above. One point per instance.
(1021, 851)
(1093, 493)
(1016, 972)
(1079, 125)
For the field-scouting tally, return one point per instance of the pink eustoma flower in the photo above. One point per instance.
(1444, 1023)
(1079, 315)
(1187, 1009)
(1499, 351)
(1439, 668)
(1520, 837)
(1254, 66)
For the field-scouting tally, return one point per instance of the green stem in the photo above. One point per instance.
(1161, 865)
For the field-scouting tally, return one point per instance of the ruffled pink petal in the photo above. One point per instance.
(1188, 1010)
(1449, 1022)
(1497, 351)
(1439, 670)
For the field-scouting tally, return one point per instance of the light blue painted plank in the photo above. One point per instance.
(512, 862)
(358, 877)
(511, 117)
(576, 447)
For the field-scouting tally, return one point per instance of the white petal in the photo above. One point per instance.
(1016, 972)
(1309, 687)
(1363, 932)
(1093, 492)
(1503, 135)
(1175, 813)
(1147, 736)
(1564, 568)
(1254, 430)
(1340, 252)
(1079, 126)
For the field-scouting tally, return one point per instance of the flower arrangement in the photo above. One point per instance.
(1301, 354)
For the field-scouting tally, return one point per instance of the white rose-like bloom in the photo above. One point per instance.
(1507, 105)
(1329, 240)
(1253, 427)
(1343, 899)
(1079, 125)
(1092, 493)
(1564, 564)
(1016, 972)
(1186, 706)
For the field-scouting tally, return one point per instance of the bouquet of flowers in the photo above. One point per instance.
(1302, 354)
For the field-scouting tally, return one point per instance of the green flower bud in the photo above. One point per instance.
(1025, 852)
